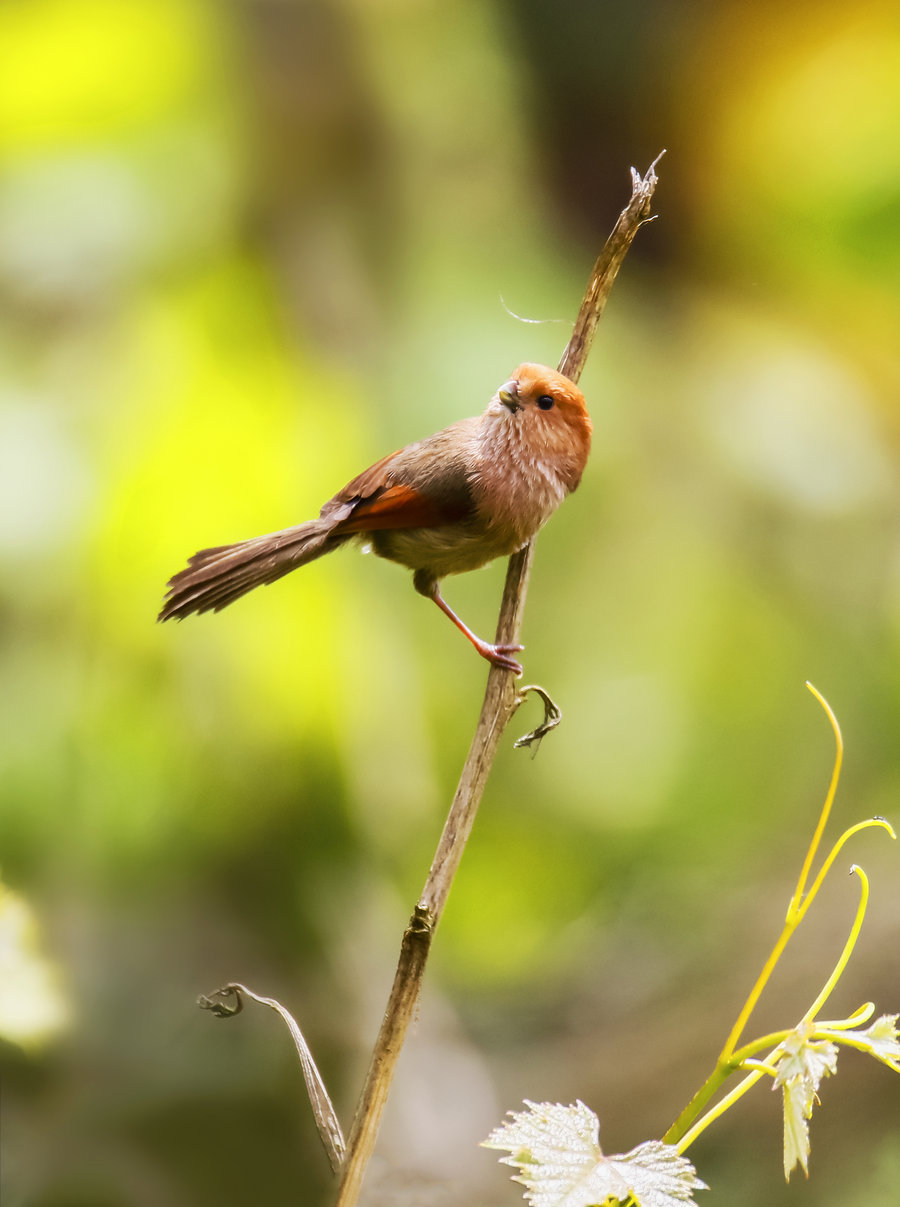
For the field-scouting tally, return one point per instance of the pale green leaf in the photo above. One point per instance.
(557, 1149)
(885, 1040)
(881, 1040)
(798, 1104)
(802, 1064)
(804, 1058)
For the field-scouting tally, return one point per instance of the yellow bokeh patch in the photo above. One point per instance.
(95, 69)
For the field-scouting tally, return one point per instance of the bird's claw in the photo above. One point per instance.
(501, 655)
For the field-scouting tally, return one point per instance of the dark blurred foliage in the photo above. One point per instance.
(247, 248)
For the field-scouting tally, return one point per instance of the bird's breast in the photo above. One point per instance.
(517, 487)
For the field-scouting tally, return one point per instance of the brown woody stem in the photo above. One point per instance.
(500, 702)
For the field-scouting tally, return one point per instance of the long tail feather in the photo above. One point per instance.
(216, 577)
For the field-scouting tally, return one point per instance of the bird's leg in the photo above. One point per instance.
(497, 655)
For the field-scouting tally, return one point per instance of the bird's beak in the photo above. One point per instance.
(509, 395)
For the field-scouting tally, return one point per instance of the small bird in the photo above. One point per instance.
(477, 490)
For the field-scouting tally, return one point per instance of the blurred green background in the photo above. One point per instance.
(249, 246)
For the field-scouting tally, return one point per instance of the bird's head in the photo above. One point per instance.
(551, 414)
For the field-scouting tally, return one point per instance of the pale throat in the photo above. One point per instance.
(523, 484)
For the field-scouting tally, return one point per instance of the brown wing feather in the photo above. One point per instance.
(374, 500)
(368, 483)
(398, 507)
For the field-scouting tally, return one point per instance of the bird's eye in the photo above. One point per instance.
(545, 402)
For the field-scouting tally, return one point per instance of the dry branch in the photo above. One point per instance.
(500, 702)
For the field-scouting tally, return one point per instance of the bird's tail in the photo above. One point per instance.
(216, 577)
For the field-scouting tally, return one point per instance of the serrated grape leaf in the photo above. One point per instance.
(798, 1104)
(881, 1040)
(558, 1151)
(805, 1059)
(801, 1066)
(885, 1040)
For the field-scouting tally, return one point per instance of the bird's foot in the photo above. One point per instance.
(497, 655)
(501, 655)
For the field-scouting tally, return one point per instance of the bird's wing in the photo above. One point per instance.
(377, 500)
(399, 507)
